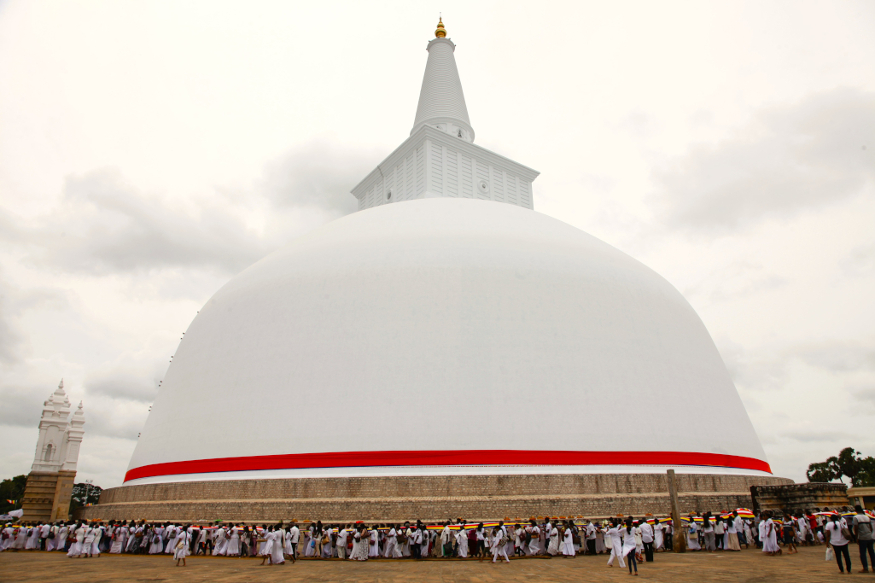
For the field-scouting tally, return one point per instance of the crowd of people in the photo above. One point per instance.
(626, 540)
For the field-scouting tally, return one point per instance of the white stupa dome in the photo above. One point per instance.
(445, 335)
(446, 328)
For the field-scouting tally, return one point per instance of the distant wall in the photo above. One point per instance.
(798, 497)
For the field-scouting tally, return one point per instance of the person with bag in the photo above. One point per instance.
(837, 539)
(863, 530)
(180, 546)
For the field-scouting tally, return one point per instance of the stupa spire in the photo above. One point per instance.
(441, 100)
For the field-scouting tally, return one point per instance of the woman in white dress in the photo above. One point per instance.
(568, 543)
(287, 544)
(33, 537)
(658, 539)
(462, 542)
(97, 534)
(553, 544)
(770, 538)
(89, 539)
(133, 538)
(61, 537)
(600, 546)
(76, 548)
(222, 541)
(181, 546)
(374, 544)
(276, 549)
(360, 543)
(309, 541)
(693, 536)
(233, 548)
(639, 540)
(266, 551)
(534, 542)
(119, 537)
(156, 544)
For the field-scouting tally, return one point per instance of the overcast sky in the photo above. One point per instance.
(149, 151)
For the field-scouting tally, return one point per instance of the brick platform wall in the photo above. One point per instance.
(799, 497)
(430, 498)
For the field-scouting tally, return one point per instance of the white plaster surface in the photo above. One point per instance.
(441, 99)
(445, 324)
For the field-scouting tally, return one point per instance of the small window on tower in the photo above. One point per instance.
(49, 451)
(460, 133)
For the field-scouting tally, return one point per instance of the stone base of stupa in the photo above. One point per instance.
(429, 498)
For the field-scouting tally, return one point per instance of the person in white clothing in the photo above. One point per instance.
(33, 537)
(8, 538)
(155, 543)
(616, 544)
(769, 536)
(51, 537)
(732, 528)
(169, 538)
(119, 536)
(89, 540)
(266, 552)
(276, 547)
(535, 540)
(630, 546)
(374, 544)
(180, 546)
(836, 533)
(294, 537)
(44, 535)
(62, 529)
(647, 539)
(462, 542)
(220, 542)
(693, 536)
(498, 542)
(659, 536)
(79, 539)
(233, 547)
(568, 543)
(391, 542)
(553, 538)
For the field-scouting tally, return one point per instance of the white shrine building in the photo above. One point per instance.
(50, 481)
(444, 342)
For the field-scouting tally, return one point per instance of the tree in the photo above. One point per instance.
(849, 463)
(84, 494)
(12, 489)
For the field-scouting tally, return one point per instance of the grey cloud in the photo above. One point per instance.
(860, 261)
(113, 418)
(318, 175)
(126, 383)
(22, 406)
(10, 338)
(815, 435)
(104, 225)
(108, 226)
(768, 369)
(814, 153)
(753, 370)
(13, 303)
(839, 356)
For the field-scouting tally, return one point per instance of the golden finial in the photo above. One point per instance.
(441, 32)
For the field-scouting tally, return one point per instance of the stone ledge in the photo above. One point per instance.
(384, 499)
